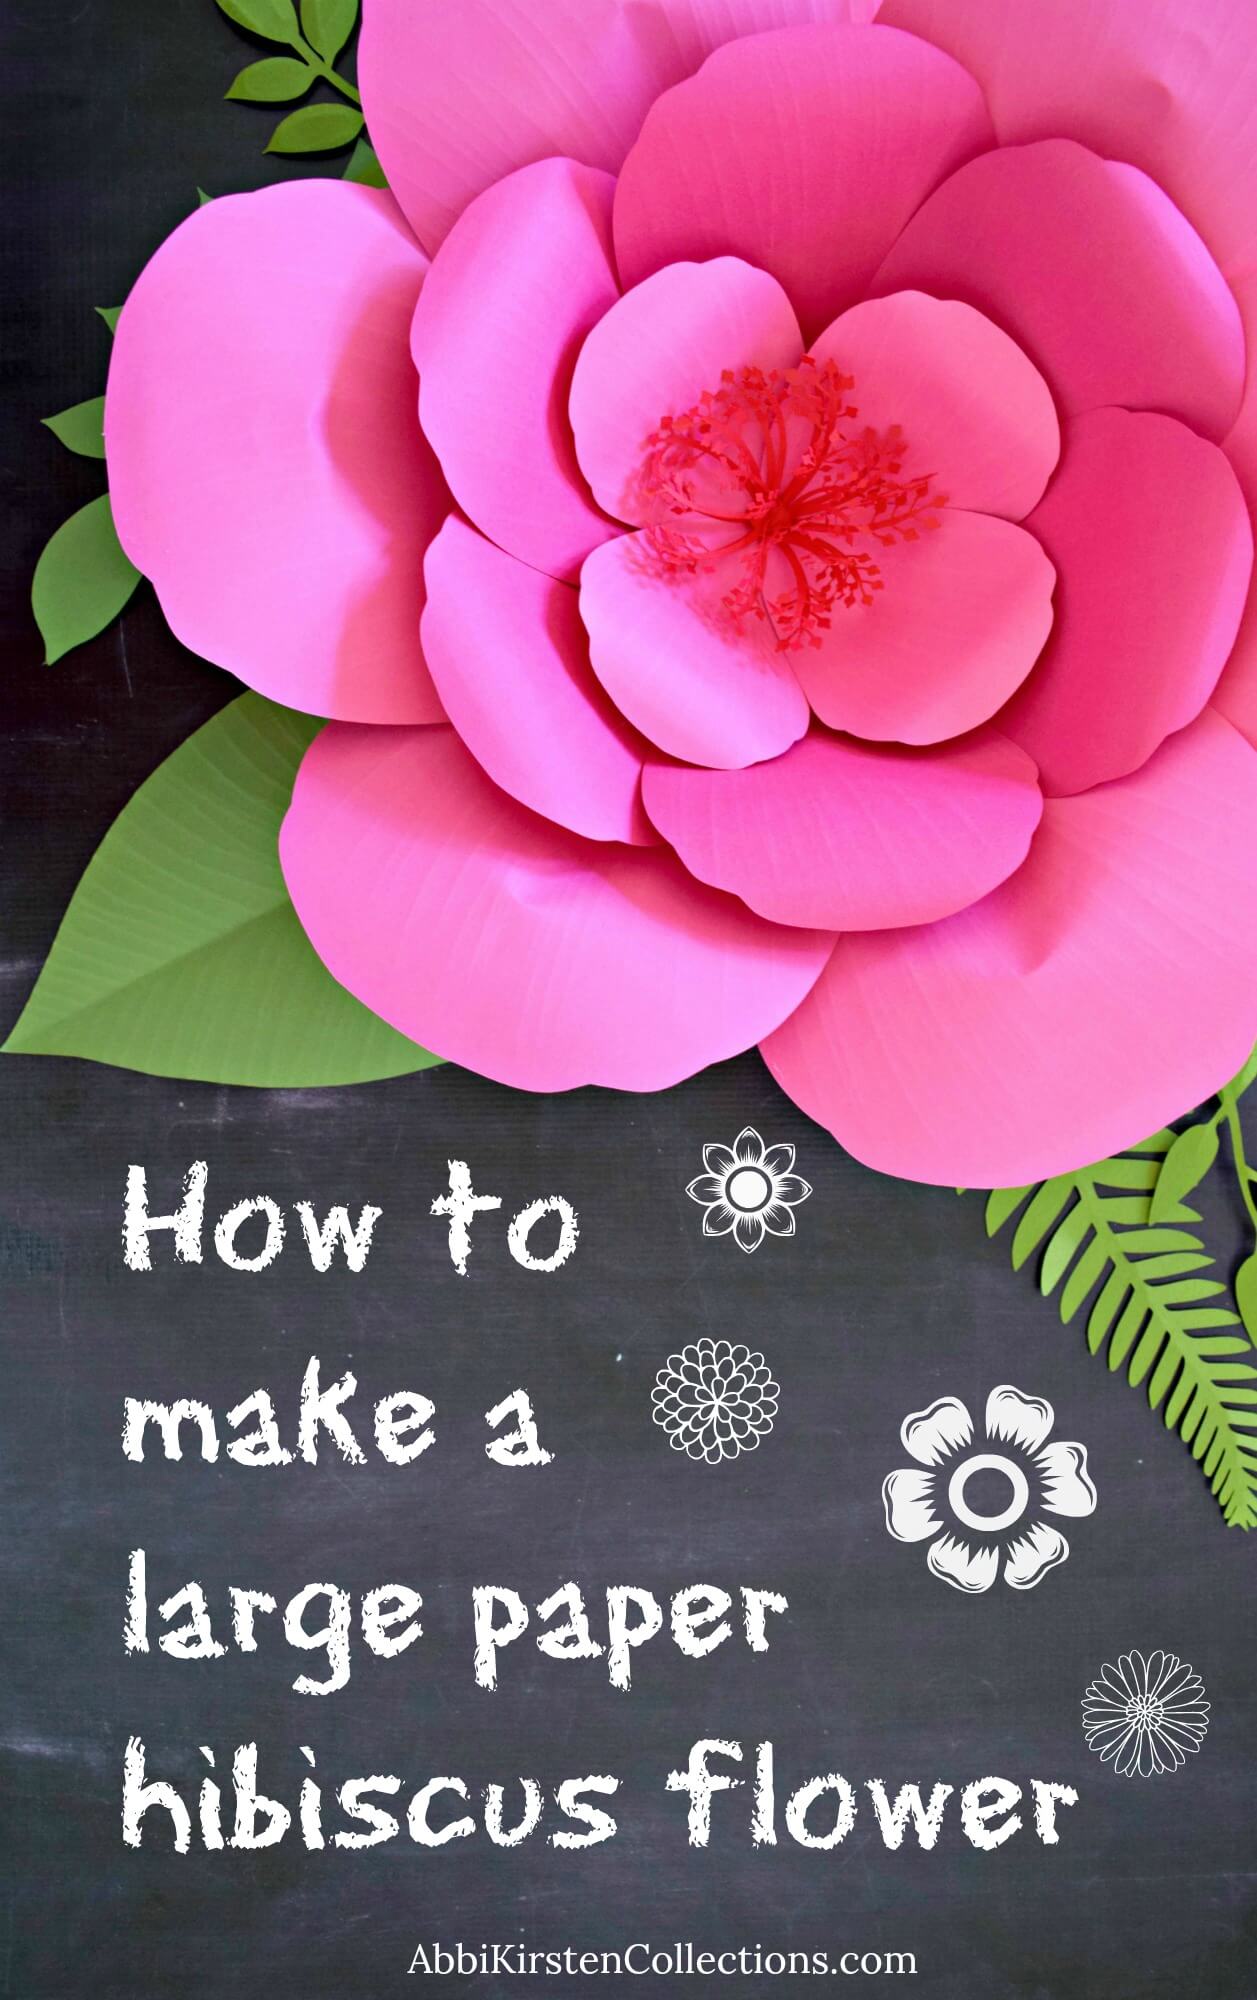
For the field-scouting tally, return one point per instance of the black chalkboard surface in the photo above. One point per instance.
(887, 1298)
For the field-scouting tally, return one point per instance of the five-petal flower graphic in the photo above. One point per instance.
(970, 1532)
(715, 1400)
(749, 1190)
(1145, 1716)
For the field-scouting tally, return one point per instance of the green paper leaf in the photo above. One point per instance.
(82, 580)
(181, 954)
(274, 20)
(1239, 1084)
(1246, 1295)
(328, 24)
(1184, 1167)
(274, 80)
(111, 315)
(203, 199)
(81, 428)
(316, 128)
(364, 166)
(1157, 1308)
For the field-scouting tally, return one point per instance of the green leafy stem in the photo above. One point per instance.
(317, 39)
(1111, 1237)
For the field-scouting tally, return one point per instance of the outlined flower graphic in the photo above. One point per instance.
(715, 1400)
(933, 1501)
(1145, 1716)
(749, 1190)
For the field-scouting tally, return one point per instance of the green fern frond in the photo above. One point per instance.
(1154, 1304)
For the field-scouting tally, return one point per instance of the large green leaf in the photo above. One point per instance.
(328, 24)
(181, 954)
(82, 579)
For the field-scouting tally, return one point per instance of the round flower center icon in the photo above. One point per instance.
(981, 1509)
(749, 1190)
(1145, 1717)
(715, 1400)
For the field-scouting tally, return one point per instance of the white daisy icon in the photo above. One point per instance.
(749, 1190)
(1145, 1716)
(1023, 1479)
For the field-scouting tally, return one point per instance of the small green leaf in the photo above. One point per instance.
(274, 80)
(202, 198)
(328, 24)
(81, 428)
(111, 315)
(274, 20)
(1246, 1295)
(316, 128)
(364, 166)
(1183, 1168)
(82, 579)
(181, 954)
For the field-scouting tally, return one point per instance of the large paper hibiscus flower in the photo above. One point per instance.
(762, 501)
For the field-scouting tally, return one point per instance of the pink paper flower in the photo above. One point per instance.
(802, 617)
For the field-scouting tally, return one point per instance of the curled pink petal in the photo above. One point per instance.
(1150, 536)
(1168, 88)
(961, 618)
(510, 660)
(514, 291)
(459, 93)
(261, 420)
(1043, 1028)
(510, 945)
(671, 664)
(1094, 272)
(658, 349)
(804, 152)
(975, 413)
(841, 835)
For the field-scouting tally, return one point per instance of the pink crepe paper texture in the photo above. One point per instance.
(737, 628)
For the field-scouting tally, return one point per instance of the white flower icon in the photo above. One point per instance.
(933, 1501)
(715, 1400)
(1145, 1716)
(749, 1190)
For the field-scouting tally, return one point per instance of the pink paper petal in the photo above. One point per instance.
(1152, 542)
(695, 687)
(1236, 694)
(1044, 1028)
(1092, 270)
(458, 93)
(514, 291)
(842, 835)
(510, 660)
(1168, 86)
(514, 947)
(975, 413)
(656, 352)
(804, 152)
(959, 624)
(266, 467)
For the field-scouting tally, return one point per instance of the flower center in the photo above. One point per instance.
(771, 473)
(988, 1461)
(748, 1188)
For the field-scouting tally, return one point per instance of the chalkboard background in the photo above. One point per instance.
(888, 1297)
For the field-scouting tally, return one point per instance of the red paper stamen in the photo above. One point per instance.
(775, 461)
